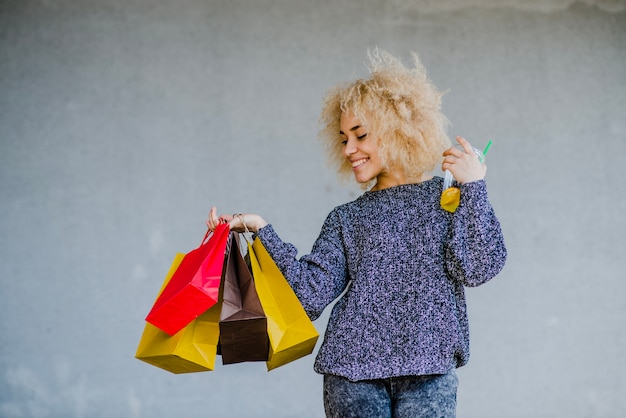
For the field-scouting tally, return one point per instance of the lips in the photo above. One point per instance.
(359, 162)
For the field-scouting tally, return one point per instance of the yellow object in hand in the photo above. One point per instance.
(450, 199)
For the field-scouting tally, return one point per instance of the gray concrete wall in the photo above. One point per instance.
(122, 122)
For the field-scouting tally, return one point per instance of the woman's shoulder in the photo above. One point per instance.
(345, 211)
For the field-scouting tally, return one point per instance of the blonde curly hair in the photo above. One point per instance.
(400, 107)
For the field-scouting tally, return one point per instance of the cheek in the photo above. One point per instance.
(377, 154)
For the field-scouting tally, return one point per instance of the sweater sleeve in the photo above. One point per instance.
(475, 251)
(317, 278)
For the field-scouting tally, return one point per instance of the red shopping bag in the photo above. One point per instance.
(194, 287)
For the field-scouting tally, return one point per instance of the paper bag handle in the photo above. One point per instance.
(207, 235)
(246, 237)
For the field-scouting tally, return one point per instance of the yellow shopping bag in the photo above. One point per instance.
(291, 332)
(192, 349)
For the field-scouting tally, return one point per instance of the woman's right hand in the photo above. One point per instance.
(242, 222)
(463, 164)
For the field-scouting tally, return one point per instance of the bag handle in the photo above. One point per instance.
(209, 234)
(206, 236)
(246, 237)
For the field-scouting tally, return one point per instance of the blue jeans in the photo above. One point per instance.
(432, 396)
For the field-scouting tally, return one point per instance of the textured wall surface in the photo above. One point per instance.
(122, 122)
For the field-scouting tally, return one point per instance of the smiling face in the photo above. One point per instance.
(361, 149)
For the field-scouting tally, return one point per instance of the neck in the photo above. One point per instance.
(385, 181)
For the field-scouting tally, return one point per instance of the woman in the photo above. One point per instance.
(400, 329)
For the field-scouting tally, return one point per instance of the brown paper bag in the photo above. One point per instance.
(243, 325)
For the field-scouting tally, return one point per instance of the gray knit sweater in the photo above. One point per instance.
(403, 263)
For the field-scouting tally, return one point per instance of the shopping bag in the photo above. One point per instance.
(291, 333)
(192, 349)
(243, 326)
(194, 287)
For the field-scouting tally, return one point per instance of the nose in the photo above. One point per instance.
(350, 147)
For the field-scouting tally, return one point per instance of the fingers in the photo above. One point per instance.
(246, 222)
(456, 153)
(213, 221)
(210, 223)
(464, 143)
(235, 222)
(463, 163)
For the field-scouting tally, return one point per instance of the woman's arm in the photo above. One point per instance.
(475, 251)
(317, 278)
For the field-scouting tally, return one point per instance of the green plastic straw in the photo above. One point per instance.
(487, 147)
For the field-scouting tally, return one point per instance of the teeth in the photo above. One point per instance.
(358, 162)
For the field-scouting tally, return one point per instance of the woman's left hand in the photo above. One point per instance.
(463, 164)
(247, 222)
